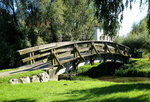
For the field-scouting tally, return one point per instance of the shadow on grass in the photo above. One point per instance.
(104, 69)
(21, 100)
(108, 94)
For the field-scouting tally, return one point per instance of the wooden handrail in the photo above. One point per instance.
(80, 49)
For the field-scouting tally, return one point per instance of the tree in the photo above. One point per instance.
(11, 40)
(110, 12)
(35, 22)
(80, 19)
(138, 38)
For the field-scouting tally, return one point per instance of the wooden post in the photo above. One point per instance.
(33, 59)
(75, 67)
(105, 52)
(31, 62)
(53, 60)
(92, 52)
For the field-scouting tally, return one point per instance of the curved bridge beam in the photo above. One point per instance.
(61, 53)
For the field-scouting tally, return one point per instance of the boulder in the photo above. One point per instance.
(35, 78)
(44, 77)
(25, 79)
(14, 81)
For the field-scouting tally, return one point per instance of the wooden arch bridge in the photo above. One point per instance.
(69, 55)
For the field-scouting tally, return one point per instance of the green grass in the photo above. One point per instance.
(5, 80)
(85, 68)
(6, 70)
(76, 91)
(138, 68)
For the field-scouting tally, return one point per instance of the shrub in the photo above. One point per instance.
(138, 68)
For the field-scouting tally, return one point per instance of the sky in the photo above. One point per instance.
(132, 16)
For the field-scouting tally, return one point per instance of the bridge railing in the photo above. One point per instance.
(62, 52)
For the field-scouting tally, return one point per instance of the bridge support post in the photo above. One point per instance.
(52, 74)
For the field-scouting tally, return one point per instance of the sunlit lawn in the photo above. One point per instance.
(76, 91)
(87, 90)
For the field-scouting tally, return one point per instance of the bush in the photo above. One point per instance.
(139, 68)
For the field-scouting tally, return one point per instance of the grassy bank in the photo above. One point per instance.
(137, 68)
(99, 69)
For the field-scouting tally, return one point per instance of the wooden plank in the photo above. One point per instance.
(42, 47)
(58, 60)
(100, 45)
(32, 53)
(83, 49)
(64, 55)
(119, 51)
(36, 48)
(95, 49)
(64, 50)
(108, 48)
(78, 52)
(68, 60)
(31, 62)
(35, 57)
(87, 55)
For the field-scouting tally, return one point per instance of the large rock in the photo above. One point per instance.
(35, 78)
(25, 79)
(14, 81)
(52, 74)
(44, 77)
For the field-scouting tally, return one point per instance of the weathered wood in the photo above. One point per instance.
(35, 57)
(36, 48)
(118, 50)
(107, 48)
(66, 54)
(83, 49)
(58, 61)
(62, 52)
(68, 60)
(94, 48)
(78, 52)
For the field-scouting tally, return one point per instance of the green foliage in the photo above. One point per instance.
(26, 23)
(110, 13)
(11, 40)
(137, 39)
(139, 68)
